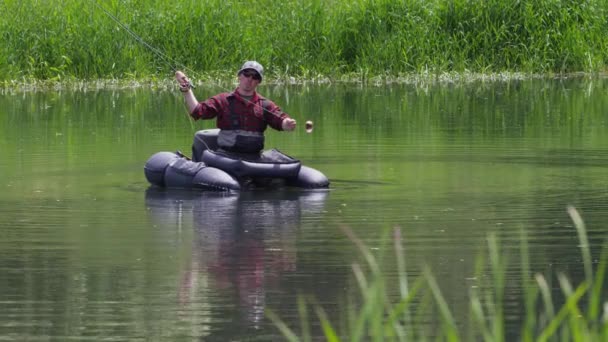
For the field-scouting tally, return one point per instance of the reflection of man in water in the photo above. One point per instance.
(255, 244)
(241, 267)
(243, 245)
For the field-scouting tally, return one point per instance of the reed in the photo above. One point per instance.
(355, 40)
(377, 316)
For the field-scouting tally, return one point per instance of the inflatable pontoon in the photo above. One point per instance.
(212, 169)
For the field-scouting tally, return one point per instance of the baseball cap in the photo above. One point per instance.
(253, 65)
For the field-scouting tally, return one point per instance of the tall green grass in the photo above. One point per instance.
(577, 315)
(66, 39)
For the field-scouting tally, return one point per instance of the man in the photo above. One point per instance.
(242, 115)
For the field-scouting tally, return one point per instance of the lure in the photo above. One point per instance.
(308, 126)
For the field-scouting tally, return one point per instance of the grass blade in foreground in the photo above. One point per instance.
(380, 318)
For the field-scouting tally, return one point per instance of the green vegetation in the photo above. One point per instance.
(76, 40)
(580, 313)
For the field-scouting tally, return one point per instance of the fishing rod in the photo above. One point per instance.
(170, 61)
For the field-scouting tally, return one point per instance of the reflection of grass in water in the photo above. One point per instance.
(379, 318)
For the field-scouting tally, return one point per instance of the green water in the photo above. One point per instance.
(89, 250)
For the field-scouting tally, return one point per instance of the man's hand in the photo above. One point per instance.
(289, 124)
(184, 87)
(183, 81)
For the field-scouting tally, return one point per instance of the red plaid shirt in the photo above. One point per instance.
(253, 115)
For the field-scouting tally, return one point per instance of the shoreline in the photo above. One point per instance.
(229, 81)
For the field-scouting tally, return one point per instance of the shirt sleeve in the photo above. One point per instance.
(273, 115)
(208, 109)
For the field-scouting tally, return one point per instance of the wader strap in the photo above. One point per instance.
(234, 117)
(265, 106)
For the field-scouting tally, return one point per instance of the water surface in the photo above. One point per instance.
(89, 250)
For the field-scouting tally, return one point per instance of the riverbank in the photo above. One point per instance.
(228, 81)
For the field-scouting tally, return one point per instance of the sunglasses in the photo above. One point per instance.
(252, 74)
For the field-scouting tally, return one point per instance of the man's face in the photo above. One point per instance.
(249, 79)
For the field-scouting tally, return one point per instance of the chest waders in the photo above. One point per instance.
(243, 141)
